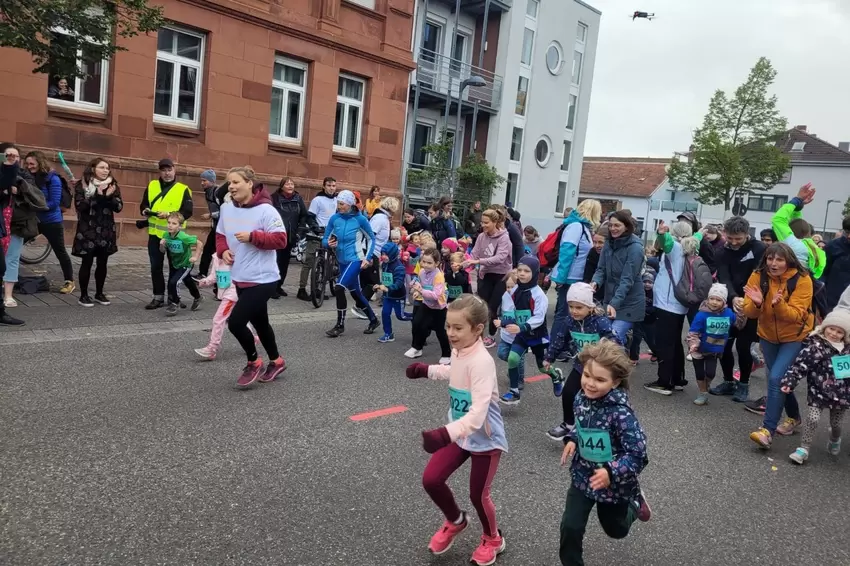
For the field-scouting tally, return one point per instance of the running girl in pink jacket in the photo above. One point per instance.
(475, 430)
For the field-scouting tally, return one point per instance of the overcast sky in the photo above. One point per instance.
(653, 79)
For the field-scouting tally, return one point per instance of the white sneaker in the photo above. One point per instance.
(359, 313)
(413, 353)
(445, 361)
(689, 357)
(206, 352)
(10, 303)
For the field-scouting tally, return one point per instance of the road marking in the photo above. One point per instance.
(378, 413)
(540, 377)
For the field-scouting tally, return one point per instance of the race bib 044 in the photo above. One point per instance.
(594, 444)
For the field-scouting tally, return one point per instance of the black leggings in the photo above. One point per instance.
(206, 255)
(424, 321)
(283, 261)
(99, 272)
(369, 277)
(571, 389)
(742, 339)
(705, 368)
(669, 349)
(179, 275)
(252, 307)
(54, 233)
(491, 287)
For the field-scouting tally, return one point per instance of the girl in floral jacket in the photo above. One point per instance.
(825, 361)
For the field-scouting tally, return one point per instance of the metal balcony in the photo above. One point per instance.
(436, 74)
(476, 7)
(674, 205)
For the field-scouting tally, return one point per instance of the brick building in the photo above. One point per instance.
(305, 88)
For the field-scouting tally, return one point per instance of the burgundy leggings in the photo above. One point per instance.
(443, 464)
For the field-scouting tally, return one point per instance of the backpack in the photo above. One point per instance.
(548, 251)
(695, 282)
(818, 306)
(66, 201)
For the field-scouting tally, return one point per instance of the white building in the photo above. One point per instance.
(537, 60)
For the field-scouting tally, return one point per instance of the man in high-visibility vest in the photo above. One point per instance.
(163, 196)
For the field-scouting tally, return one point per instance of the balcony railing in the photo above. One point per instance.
(427, 182)
(674, 205)
(436, 72)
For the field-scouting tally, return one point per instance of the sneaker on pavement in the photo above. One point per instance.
(7, 320)
(680, 386)
(756, 406)
(799, 456)
(274, 369)
(488, 550)
(762, 437)
(559, 432)
(689, 357)
(742, 392)
(489, 342)
(155, 304)
(196, 303)
(653, 359)
(10, 303)
(250, 374)
(101, 299)
(85, 301)
(302, 295)
(206, 352)
(656, 387)
(834, 446)
(510, 398)
(67, 288)
(557, 381)
(335, 331)
(702, 399)
(644, 511)
(413, 353)
(445, 536)
(725, 388)
(444, 361)
(171, 309)
(372, 327)
(788, 426)
(359, 313)
(386, 338)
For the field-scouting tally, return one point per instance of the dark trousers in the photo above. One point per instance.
(2, 273)
(491, 287)
(615, 519)
(705, 368)
(283, 257)
(207, 253)
(252, 307)
(742, 339)
(99, 273)
(157, 259)
(644, 331)
(177, 275)
(370, 277)
(54, 233)
(424, 321)
(387, 308)
(571, 388)
(669, 349)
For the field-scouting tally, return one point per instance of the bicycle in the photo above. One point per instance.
(35, 250)
(324, 273)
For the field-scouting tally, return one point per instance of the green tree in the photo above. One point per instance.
(735, 151)
(846, 211)
(93, 25)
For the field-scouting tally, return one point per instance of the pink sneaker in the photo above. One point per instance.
(644, 511)
(273, 370)
(206, 352)
(443, 538)
(489, 342)
(250, 374)
(489, 549)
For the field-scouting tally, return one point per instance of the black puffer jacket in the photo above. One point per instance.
(292, 211)
(517, 245)
(734, 267)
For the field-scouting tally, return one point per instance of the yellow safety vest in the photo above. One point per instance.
(169, 203)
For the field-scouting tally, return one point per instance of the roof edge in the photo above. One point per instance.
(588, 6)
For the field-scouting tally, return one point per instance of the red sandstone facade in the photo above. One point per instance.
(241, 41)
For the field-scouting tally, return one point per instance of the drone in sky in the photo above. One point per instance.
(644, 15)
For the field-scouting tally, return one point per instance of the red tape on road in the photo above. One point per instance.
(378, 413)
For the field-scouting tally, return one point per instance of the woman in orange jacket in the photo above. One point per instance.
(779, 295)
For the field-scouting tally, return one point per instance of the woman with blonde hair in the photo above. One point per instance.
(381, 222)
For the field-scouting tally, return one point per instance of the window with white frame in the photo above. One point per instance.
(87, 92)
(578, 57)
(527, 46)
(565, 155)
(571, 112)
(531, 8)
(581, 33)
(289, 81)
(349, 114)
(179, 66)
(365, 3)
(521, 96)
(543, 151)
(511, 187)
(516, 144)
(561, 198)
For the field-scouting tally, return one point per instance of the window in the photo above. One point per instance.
(571, 112)
(431, 38)
(287, 116)
(365, 3)
(527, 46)
(786, 177)
(421, 138)
(510, 188)
(554, 58)
(562, 196)
(88, 92)
(177, 96)
(521, 96)
(458, 54)
(577, 60)
(531, 8)
(581, 33)
(798, 146)
(766, 203)
(639, 225)
(349, 109)
(516, 144)
(542, 151)
(565, 155)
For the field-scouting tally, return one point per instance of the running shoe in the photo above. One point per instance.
(799, 456)
(67, 288)
(445, 536)
(335, 331)
(10, 303)
(656, 387)
(489, 342)
(8, 320)
(302, 295)
(196, 303)
(274, 369)
(85, 301)
(559, 432)
(206, 352)
(724, 388)
(386, 338)
(762, 437)
(359, 313)
(756, 406)
(413, 353)
(250, 374)
(742, 392)
(510, 398)
(101, 299)
(644, 511)
(445, 361)
(702, 399)
(557, 381)
(834, 446)
(171, 309)
(488, 550)
(372, 327)
(788, 426)
(154, 304)
(689, 357)
(681, 385)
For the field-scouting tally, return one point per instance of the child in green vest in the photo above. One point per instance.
(182, 252)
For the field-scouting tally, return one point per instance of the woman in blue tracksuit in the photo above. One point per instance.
(348, 231)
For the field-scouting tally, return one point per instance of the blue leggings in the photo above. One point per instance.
(349, 279)
(388, 307)
(516, 357)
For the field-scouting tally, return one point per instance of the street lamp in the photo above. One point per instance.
(826, 214)
(475, 81)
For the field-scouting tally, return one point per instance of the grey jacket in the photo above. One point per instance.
(619, 274)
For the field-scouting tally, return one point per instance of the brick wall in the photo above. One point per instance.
(331, 36)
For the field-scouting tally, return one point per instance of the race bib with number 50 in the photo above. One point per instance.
(841, 367)
(718, 324)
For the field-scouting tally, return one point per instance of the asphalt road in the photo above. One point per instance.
(122, 448)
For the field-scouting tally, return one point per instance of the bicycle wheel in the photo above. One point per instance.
(317, 280)
(35, 250)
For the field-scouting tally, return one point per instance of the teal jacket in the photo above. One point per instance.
(576, 241)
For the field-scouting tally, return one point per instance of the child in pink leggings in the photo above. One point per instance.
(227, 295)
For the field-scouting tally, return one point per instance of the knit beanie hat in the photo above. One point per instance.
(720, 291)
(208, 175)
(450, 244)
(534, 265)
(346, 197)
(648, 276)
(581, 293)
(839, 318)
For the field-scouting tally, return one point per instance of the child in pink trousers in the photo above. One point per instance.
(228, 298)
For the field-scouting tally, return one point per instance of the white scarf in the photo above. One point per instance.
(94, 184)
